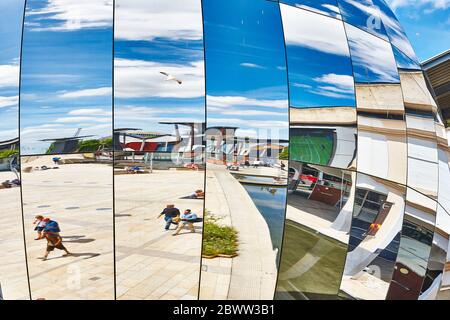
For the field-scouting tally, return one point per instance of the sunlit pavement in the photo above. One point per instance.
(13, 274)
(151, 263)
(79, 198)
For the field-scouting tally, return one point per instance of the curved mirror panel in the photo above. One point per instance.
(70, 251)
(318, 218)
(422, 137)
(321, 89)
(66, 83)
(374, 238)
(395, 32)
(415, 247)
(372, 57)
(246, 149)
(363, 14)
(13, 272)
(443, 227)
(325, 7)
(438, 257)
(381, 131)
(158, 148)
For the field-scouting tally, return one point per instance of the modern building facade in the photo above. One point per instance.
(238, 149)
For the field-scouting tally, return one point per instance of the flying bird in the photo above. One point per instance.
(170, 77)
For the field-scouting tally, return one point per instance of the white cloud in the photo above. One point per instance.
(8, 134)
(147, 20)
(301, 85)
(9, 75)
(397, 35)
(330, 7)
(82, 119)
(229, 101)
(73, 15)
(89, 112)
(335, 85)
(310, 30)
(138, 78)
(247, 113)
(372, 53)
(434, 4)
(8, 101)
(104, 91)
(251, 65)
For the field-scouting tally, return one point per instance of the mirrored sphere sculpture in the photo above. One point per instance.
(218, 149)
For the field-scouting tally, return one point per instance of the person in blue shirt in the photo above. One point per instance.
(187, 219)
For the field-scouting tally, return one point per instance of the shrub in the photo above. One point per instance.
(218, 240)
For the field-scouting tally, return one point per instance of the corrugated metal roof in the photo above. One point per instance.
(437, 70)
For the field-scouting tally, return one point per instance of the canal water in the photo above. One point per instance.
(270, 201)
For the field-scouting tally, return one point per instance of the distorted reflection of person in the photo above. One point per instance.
(40, 225)
(187, 219)
(198, 194)
(171, 215)
(56, 160)
(54, 240)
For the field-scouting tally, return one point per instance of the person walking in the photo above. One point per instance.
(40, 225)
(186, 219)
(170, 214)
(54, 240)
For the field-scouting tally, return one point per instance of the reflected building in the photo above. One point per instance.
(239, 149)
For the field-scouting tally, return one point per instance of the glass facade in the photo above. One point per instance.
(240, 149)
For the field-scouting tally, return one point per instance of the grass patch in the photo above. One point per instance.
(217, 239)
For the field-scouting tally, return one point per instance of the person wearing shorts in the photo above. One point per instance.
(54, 240)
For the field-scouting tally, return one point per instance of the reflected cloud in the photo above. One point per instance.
(174, 20)
(320, 71)
(139, 78)
(372, 57)
(9, 75)
(69, 15)
(251, 65)
(313, 31)
(105, 91)
(327, 7)
(229, 101)
(8, 101)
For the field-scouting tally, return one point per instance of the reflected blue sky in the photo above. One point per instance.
(11, 12)
(372, 58)
(68, 86)
(66, 71)
(153, 37)
(363, 14)
(427, 24)
(327, 7)
(320, 70)
(245, 67)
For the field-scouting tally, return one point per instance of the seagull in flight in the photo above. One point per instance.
(170, 77)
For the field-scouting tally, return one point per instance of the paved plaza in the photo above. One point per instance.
(13, 272)
(151, 262)
(79, 198)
